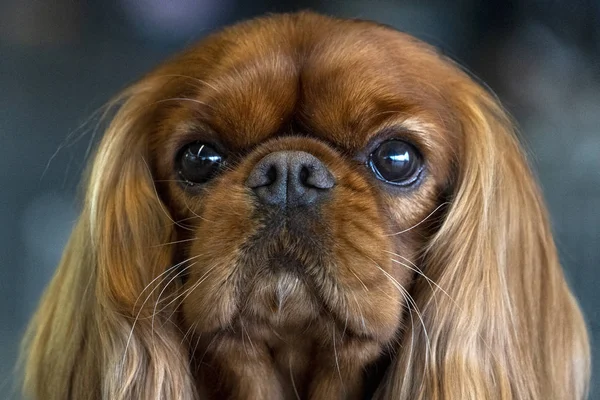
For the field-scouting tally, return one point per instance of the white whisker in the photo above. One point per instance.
(337, 363)
(420, 222)
(411, 302)
(187, 292)
(167, 272)
(292, 379)
(176, 242)
(170, 269)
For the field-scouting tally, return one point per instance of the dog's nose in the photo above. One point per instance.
(290, 179)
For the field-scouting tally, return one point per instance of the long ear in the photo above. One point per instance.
(97, 333)
(500, 322)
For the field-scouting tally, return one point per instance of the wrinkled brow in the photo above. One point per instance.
(342, 86)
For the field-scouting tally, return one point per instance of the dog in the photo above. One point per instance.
(305, 207)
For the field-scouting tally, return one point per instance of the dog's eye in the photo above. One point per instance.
(198, 163)
(396, 162)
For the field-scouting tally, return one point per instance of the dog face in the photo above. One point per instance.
(294, 199)
(296, 164)
(304, 184)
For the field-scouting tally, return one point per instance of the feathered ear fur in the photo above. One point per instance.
(97, 328)
(500, 322)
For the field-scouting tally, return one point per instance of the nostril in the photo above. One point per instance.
(271, 175)
(304, 174)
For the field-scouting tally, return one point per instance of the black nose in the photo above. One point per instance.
(290, 179)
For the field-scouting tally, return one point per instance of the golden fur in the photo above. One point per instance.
(161, 292)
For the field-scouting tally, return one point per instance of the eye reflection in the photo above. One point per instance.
(399, 157)
(198, 163)
(396, 162)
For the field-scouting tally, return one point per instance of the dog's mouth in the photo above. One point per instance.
(279, 281)
(288, 243)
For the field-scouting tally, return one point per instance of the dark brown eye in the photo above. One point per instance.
(396, 162)
(198, 163)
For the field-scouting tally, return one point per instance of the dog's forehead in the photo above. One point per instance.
(335, 80)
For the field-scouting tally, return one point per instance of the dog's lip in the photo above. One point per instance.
(279, 246)
(286, 263)
(240, 323)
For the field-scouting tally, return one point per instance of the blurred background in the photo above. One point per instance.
(61, 60)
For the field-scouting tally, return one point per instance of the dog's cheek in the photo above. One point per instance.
(215, 271)
(362, 256)
(412, 220)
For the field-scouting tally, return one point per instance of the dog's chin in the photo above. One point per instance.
(280, 297)
(290, 272)
(284, 301)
